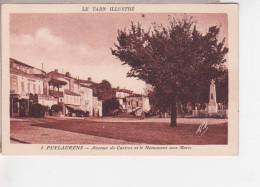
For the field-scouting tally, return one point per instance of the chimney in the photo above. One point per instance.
(56, 70)
(67, 74)
(89, 78)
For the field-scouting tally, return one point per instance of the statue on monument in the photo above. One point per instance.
(212, 106)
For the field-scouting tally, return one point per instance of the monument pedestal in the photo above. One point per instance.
(212, 108)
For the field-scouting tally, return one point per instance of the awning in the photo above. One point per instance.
(19, 96)
(14, 95)
(24, 97)
(57, 82)
(76, 108)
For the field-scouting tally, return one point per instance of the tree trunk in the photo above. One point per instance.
(173, 113)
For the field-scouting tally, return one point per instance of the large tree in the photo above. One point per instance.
(177, 60)
(103, 90)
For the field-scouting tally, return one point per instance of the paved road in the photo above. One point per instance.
(114, 131)
(23, 132)
(194, 121)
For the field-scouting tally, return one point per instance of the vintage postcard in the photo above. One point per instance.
(120, 79)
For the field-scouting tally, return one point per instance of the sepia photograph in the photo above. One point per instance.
(121, 78)
(129, 93)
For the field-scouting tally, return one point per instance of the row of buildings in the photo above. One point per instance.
(131, 101)
(54, 88)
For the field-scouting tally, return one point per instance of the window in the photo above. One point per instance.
(39, 89)
(34, 88)
(14, 86)
(22, 86)
(28, 87)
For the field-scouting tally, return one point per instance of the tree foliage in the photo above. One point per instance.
(109, 106)
(177, 60)
(103, 90)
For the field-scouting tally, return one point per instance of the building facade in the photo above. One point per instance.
(121, 95)
(137, 102)
(76, 94)
(25, 82)
(130, 101)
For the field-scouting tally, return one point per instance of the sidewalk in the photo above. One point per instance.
(38, 135)
(194, 121)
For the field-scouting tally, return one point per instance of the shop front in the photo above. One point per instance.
(19, 105)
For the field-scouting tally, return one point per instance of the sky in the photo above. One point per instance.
(80, 43)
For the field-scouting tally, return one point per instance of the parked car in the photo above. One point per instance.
(81, 113)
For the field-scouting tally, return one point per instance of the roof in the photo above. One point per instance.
(136, 95)
(41, 76)
(56, 74)
(21, 63)
(84, 83)
(122, 90)
(22, 73)
(57, 82)
(12, 60)
(68, 92)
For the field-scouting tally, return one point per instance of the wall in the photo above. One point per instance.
(97, 107)
(146, 104)
(100, 108)
(72, 100)
(135, 102)
(88, 99)
(121, 94)
(27, 82)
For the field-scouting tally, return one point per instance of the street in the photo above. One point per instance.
(115, 131)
